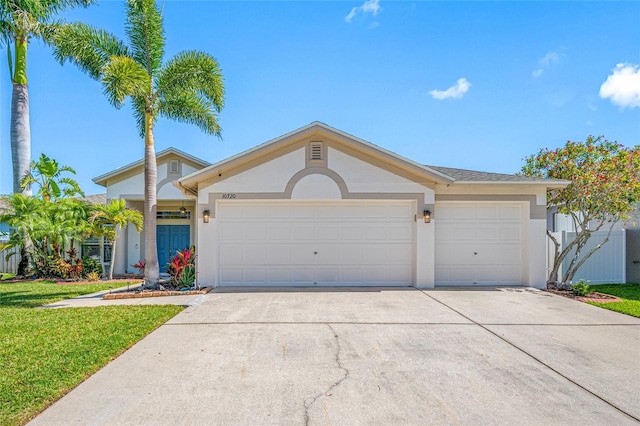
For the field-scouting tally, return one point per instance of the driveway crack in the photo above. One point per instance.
(309, 402)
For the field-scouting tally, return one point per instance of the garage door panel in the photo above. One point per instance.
(479, 243)
(278, 255)
(351, 255)
(352, 275)
(302, 275)
(301, 233)
(351, 233)
(281, 243)
(231, 275)
(258, 275)
(327, 232)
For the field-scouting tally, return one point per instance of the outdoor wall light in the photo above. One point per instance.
(183, 211)
(426, 214)
(206, 215)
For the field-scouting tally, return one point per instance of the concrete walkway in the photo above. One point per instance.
(371, 356)
(95, 299)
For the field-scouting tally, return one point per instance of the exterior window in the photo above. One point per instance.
(91, 248)
(173, 215)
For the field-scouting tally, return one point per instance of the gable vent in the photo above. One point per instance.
(174, 166)
(316, 151)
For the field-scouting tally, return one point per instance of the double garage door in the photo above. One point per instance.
(367, 243)
(310, 243)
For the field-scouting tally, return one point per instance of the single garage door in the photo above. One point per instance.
(479, 243)
(310, 243)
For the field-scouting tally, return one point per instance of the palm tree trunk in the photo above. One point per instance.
(20, 127)
(151, 269)
(20, 135)
(113, 256)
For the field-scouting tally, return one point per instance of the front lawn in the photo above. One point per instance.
(44, 353)
(38, 293)
(629, 293)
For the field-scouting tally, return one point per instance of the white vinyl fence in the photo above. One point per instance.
(606, 266)
(9, 266)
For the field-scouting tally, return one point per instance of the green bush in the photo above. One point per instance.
(90, 265)
(580, 288)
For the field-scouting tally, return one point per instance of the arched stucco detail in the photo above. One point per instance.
(342, 186)
(316, 186)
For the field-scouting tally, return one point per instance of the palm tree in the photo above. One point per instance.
(188, 88)
(19, 21)
(117, 214)
(46, 173)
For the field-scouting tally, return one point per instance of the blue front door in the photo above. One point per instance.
(171, 238)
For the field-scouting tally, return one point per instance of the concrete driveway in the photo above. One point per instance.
(372, 357)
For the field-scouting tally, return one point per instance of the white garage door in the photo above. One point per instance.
(310, 243)
(479, 243)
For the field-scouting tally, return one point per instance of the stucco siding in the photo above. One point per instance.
(271, 176)
(131, 185)
(537, 261)
(361, 176)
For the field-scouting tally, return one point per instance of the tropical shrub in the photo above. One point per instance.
(139, 266)
(93, 276)
(90, 265)
(580, 288)
(182, 268)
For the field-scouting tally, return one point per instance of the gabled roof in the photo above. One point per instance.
(102, 179)
(473, 176)
(315, 129)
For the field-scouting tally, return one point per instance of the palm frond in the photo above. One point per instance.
(139, 106)
(191, 108)
(193, 71)
(123, 77)
(145, 31)
(87, 47)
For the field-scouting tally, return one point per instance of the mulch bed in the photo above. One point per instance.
(153, 293)
(591, 297)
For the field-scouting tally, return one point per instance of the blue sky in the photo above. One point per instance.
(477, 85)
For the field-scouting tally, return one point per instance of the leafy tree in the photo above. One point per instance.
(117, 214)
(188, 88)
(46, 174)
(21, 20)
(604, 189)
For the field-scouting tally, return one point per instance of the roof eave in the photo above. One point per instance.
(102, 179)
(220, 167)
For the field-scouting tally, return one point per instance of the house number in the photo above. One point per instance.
(228, 196)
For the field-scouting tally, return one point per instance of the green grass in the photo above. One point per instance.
(629, 293)
(37, 293)
(5, 276)
(44, 353)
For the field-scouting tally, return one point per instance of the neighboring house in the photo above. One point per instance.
(320, 207)
(175, 212)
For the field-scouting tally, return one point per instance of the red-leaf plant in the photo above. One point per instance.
(183, 260)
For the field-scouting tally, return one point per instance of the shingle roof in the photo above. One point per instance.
(96, 199)
(463, 175)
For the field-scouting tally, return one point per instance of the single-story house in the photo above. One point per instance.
(319, 207)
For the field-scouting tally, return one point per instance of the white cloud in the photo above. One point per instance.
(369, 6)
(456, 91)
(544, 63)
(623, 86)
